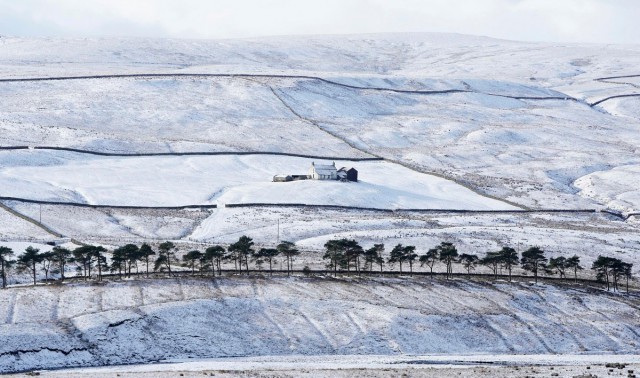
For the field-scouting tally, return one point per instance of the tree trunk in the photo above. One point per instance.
(34, 272)
(627, 284)
(4, 278)
(147, 261)
(270, 269)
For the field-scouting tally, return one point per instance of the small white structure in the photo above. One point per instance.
(323, 172)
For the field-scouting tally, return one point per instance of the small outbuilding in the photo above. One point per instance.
(348, 174)
(282, 178)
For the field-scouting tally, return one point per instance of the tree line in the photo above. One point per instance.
(341, 255)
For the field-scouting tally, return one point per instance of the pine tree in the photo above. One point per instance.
(508, 258)
(558, 265)
(145, 252)
(493, 261)
(574, 263)
(448, 254)
(334, 252)
(288, 250)
(397, 256)
(242, 248)
(191, 258)
(166, 255)
(268, 254)
(429, 259)
(5, 263)
(533, 260)
(373, 255)
(29, 260)
(468, 261)
(215, 254)
(61, 257)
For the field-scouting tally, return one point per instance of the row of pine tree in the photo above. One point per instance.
(344, 255)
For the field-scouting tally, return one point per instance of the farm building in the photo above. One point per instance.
(323, 172)
(348, 174)
(282, 178)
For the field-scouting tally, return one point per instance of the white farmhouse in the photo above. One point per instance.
(323, 172)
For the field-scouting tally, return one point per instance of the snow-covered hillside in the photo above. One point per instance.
(144, 321)
(498, 132)
(180, 180)
(618, 188)
(587, 235)
(456, 122)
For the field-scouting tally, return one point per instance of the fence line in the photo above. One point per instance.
(302, 205)
(253, 273)
(200, 153)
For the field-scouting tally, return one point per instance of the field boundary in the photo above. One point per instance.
(195, 153)
(299, 205)
(341, 274)
(276, 76)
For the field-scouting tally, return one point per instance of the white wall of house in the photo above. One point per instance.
(323, 172)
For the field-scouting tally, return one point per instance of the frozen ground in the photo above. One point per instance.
(587, 235)
(154, 320)
(617, 188)
(12, 228)
(528, 151)
(499, 138)
(196, 180)
(371, 366)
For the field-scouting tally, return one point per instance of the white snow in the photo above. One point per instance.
(176, 181)
(141, 321)
(617, 188)
(536, 153)
(526, 151)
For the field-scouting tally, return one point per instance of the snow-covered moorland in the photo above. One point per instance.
(461, 122)
(527, 149)
(144, 321)
(180, 180)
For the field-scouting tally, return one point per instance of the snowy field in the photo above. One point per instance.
(617, 188)
(168, 115)
(586, 235)
(154, 320)
(473, 366)
(528, 151)
(498, 138)
(428, 55)
(196, 180)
